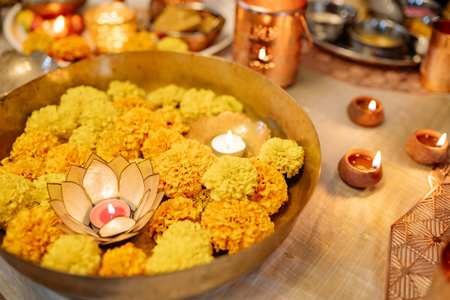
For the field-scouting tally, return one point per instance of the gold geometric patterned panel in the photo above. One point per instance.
(417, 240)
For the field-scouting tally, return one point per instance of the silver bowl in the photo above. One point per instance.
(326, 20)
(263, 100)
(379, 37)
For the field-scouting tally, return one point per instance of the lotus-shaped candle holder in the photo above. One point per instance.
(88, 186)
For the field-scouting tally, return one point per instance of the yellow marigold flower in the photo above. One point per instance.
(124, 89)
(37, 40)
(196, 103)
(40, 193)
(173, 118)
(33, 144)
(140, 41)
(29, 167)
(184, 245)
(137, 123)
(70, 48)
(126, 260)
(227, 103)
(159, 141)
(77, 254)
(60, 159)
(271, 192)
(236, 225)
(25, 18)
(170, 43)
(113, 143)
(16, 193)
(171, 211)
(170, 95)
(203, 198)
(126, 104)
(230, 178)
(32, 233)
(58, 121)
(284, 155)
(79, 99)
(182, 167)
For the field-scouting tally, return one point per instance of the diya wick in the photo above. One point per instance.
(366, 111)
(228, 144)
(361, 168)
(427, 146)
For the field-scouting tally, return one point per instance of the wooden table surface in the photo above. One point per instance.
(337, 249)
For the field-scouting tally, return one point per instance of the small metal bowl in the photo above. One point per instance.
(379, 37)
(326, 20)
(197, 40)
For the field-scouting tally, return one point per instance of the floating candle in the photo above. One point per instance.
(427, 146)
(360, 168)
(366, 111)
(228, 144)
(107, 210)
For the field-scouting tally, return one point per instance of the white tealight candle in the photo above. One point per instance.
(228, 144)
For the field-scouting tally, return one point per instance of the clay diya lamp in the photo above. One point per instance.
(361, 168)
(366, 111)
(427, 147)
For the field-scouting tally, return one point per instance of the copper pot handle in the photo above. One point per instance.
(308, 36)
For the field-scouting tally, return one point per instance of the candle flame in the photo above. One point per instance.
(262, 53)
(229, 139)
(377, 161)
(372, 105)
(59, 24)
(441, 141)
(111, 210)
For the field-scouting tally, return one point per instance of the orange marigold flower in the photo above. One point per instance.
(29, 167)
(137, 123)
(126, 260)
(70, 48)
(127, 104)
(173, 119)
(32, 233)
(37, 40)
(60, 159)
(159, 141)
(171, 211)
(271, 192)
(113, 143)
(33, 144)
(235, 225)
(182, 167)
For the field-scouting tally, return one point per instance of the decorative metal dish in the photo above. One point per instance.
(263, 101)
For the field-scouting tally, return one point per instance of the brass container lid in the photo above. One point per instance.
(277, 5)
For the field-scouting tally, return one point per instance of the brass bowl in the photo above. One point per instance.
(53, 8)
(263, 100)
(197, 40)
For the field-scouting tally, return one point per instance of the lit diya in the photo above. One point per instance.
(60, 26)
(228, 144)
(366, 111)
(361, 168)
(427, 146)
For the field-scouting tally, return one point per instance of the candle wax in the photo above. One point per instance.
(220, 146)
(360, 162)
(428, 140)
(105, 217)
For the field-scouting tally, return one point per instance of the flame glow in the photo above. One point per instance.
(377, 161)
(229, 139)
(262, 53)
(111, 210)
(372, 105)
(59, 24)
(441, 141)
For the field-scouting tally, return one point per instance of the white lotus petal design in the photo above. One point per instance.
(73, 199)
(131, 186)
(100, 182)
(116, 226)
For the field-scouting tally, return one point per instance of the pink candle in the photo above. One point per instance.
(107, 210)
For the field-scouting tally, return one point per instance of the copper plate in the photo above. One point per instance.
(263, 100)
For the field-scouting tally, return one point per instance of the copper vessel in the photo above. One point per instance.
(434, 71)
(262, 100)
(268, 37)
